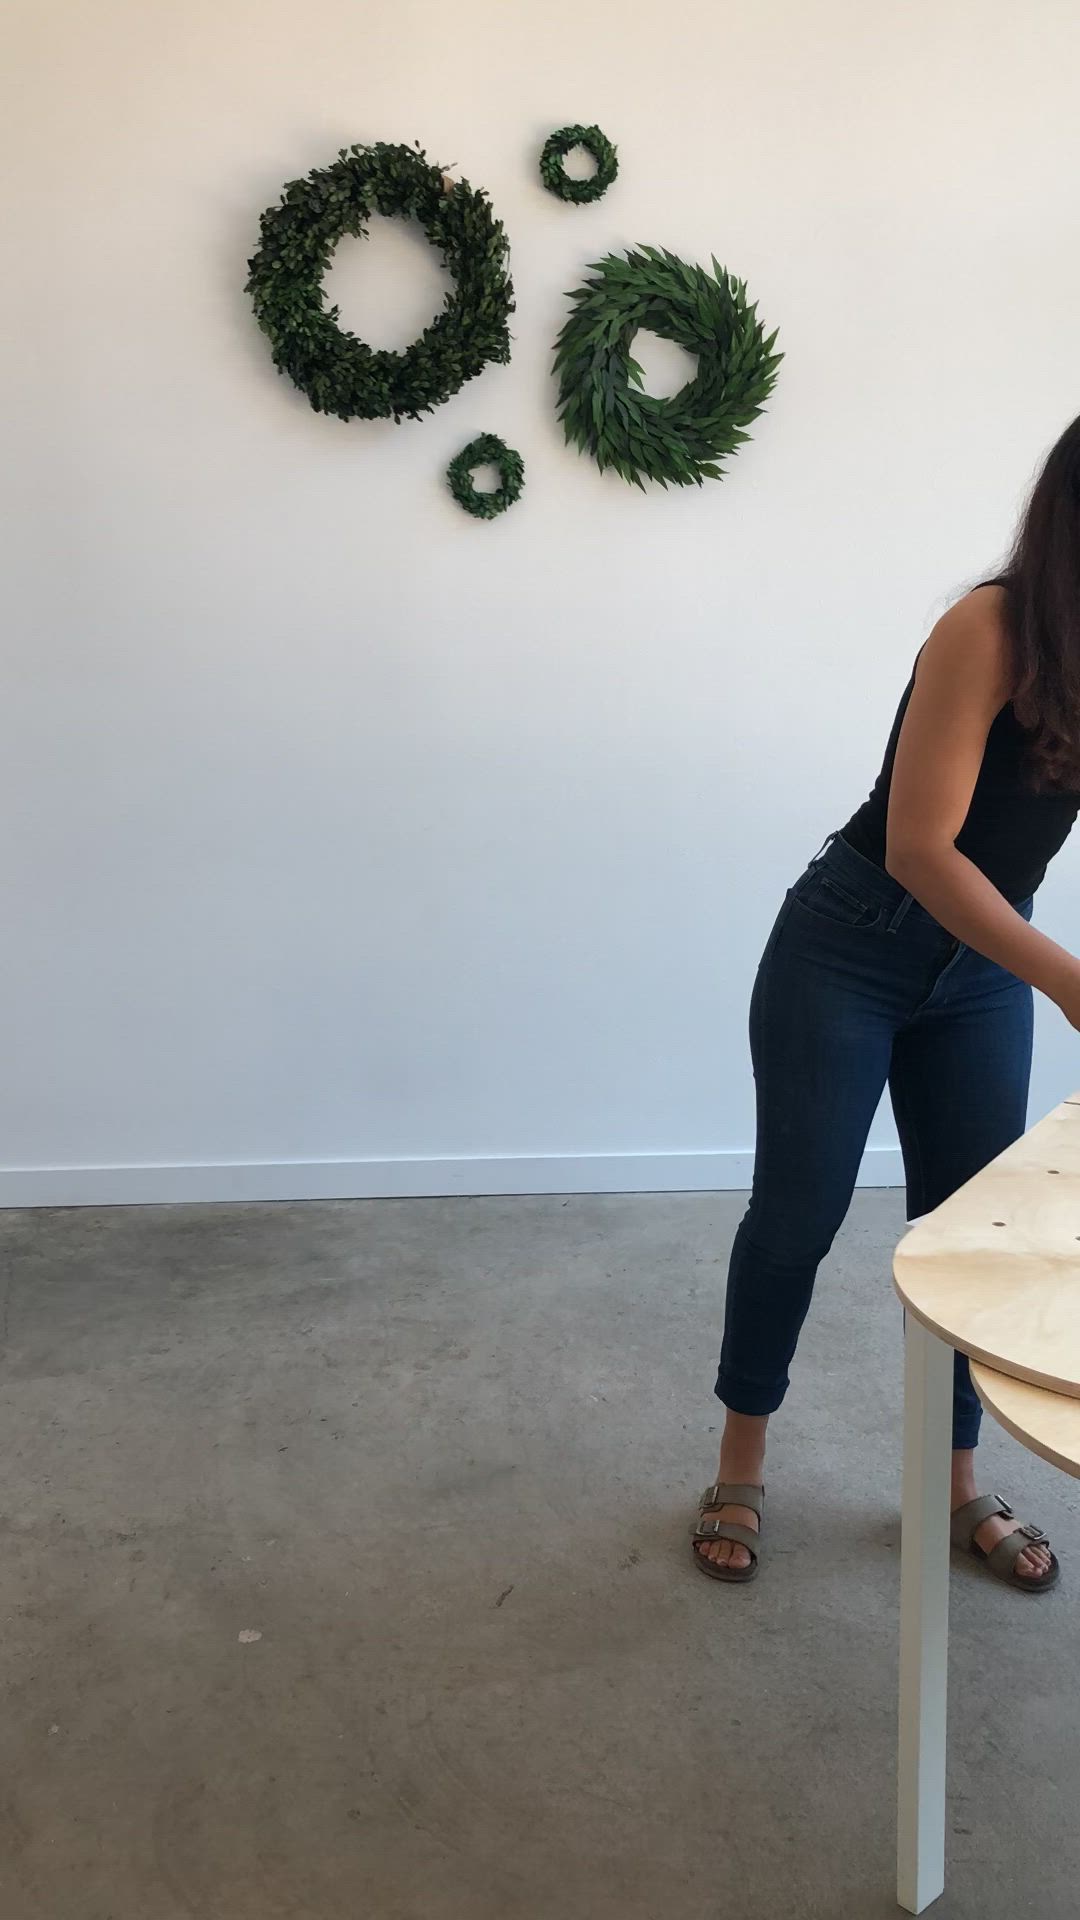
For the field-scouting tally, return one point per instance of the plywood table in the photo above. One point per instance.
(994, 1272)
(1048, 1423)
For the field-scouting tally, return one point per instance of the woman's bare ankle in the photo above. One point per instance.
(742, 1450)
(963, 1477)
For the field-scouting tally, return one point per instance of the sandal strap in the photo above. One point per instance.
(712, 1530)
(968, 1518)
(1002, 1559)
(723, 1495)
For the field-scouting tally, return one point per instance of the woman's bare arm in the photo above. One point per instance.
(962, 683)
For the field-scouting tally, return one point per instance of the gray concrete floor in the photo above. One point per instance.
(440, 1457)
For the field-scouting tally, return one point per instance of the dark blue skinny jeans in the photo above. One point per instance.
(860, 988)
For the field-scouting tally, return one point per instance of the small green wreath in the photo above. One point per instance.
(554, 175)
(487, 450)
(339, 373)
(686, 438)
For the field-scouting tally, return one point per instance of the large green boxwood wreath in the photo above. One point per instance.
(554, 174)
(487, 450)
(339, 373)
(685, 439)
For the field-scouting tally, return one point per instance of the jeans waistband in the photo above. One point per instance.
(873, 887)
(871, 884)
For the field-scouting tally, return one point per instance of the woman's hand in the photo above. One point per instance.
(1067, 992)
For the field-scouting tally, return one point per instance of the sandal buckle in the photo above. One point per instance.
(1004, 1508)
(1032, 1532)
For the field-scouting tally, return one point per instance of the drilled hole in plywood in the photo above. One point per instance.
(997, 1223)
(1053, 1169)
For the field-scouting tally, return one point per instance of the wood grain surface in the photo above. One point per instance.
(995, 1271)
(1048, 1423)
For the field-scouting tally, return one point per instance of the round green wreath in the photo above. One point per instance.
(337, 371)
(554, 175)
(686, 438)
(486, 450)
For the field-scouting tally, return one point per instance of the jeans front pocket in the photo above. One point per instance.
(826, 898)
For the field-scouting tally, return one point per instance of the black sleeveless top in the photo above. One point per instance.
(1012, 831)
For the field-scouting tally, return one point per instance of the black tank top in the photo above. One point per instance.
(1012, 831)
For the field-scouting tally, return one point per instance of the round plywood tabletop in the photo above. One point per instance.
(996, 1270)
(1048, 1423)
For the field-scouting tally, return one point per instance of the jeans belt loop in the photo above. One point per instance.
(901, 913)
(823, 850)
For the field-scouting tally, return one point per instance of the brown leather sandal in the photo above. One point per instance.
(718, 1529)
(1001, 1560)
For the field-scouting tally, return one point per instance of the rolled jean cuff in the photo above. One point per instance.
(752, 1397)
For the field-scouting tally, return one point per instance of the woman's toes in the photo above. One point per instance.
(728, 1553)
(723, 1553)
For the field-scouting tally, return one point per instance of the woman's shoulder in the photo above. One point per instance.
(991, 599)
(972, 641)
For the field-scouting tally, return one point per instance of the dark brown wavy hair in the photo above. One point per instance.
(1043, 578)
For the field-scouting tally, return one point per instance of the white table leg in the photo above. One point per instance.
(924, 1617)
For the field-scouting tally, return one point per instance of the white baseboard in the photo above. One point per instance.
(399, 1179)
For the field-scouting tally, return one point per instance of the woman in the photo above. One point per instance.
(904, 957)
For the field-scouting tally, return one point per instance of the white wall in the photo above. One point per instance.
(341, 828)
